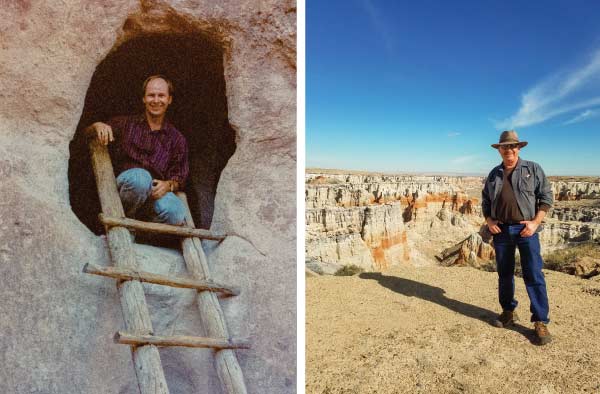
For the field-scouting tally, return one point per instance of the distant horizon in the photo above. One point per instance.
(427, 88)
(348, 171)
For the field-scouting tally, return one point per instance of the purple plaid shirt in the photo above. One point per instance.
(162, 152)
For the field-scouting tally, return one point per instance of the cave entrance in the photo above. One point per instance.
(199, 110)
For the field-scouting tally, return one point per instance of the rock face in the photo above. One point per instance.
(57, 323)
(569, 191)
(353, 190)
(559, 234)
(382, 220)
(581, 214)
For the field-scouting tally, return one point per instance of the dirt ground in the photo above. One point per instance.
(426, 330)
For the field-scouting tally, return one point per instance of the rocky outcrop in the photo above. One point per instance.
(559, 234)
(369, 224)
(576, 214)
(473, 251)
(359, 194)
(339, 249)
(369, 237)
(384, 233)
(57, 323)
(586, 267)
(570, 191)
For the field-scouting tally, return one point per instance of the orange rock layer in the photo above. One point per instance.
(459, 202)
(378, 251)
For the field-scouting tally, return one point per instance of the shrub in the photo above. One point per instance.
(349, 270)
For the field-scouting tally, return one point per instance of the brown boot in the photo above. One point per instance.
(505, 319)
(542, 333)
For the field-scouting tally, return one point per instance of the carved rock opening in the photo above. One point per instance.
(199, 110)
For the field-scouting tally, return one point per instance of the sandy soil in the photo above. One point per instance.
(426, 330)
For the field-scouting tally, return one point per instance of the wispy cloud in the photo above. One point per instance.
(453, 134)
(379, 25)
(464, 159)
(565, 92)
(585, 115)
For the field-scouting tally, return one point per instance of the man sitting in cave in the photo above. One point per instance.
(149, 155)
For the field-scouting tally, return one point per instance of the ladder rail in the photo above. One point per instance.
(148, 367)
(213, 319)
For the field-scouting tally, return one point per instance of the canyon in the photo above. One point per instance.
(376, 221)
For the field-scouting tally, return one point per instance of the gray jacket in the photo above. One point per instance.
(530, 185)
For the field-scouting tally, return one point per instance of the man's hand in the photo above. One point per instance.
(530, 227)
(160, 188)
(493, 226)
(533, 224)
(104, 133)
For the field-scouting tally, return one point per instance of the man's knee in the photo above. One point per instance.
(170, 210)
(135, 180)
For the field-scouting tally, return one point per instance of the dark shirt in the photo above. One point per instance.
(508, 209)
(162, 152)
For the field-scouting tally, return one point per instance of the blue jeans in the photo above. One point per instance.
(135, 187)
(505, 244)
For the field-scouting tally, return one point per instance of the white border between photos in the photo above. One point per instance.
(300, 222)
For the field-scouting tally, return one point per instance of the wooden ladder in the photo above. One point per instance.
(139, 333)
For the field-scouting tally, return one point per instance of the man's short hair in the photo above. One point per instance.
(150, 78)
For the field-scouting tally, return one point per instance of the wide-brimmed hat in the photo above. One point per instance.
(509, 137)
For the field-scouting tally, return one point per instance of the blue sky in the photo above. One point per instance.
(427, 86)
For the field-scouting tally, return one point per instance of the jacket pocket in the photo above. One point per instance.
(527, 184)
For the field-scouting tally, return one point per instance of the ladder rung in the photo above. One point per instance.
(142, 276)
(179, 340)
(159, 228)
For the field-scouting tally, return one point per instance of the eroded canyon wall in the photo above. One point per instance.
(57, 323)
(374, 221)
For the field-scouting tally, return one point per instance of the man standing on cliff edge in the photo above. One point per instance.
(515, 198)
(150, 156)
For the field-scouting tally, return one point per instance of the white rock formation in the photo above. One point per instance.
(381, 221)
(557, 234)
(576, 190)
(576, 214)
